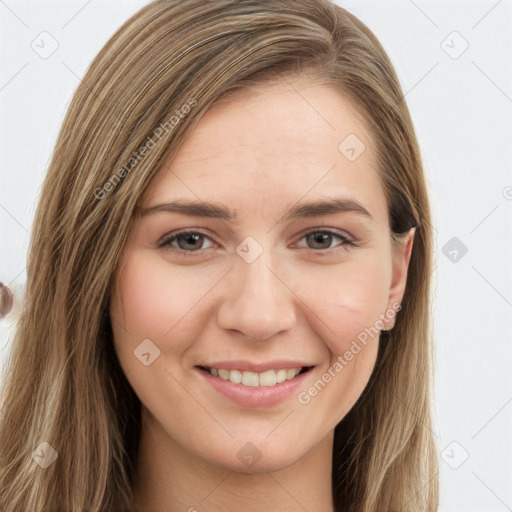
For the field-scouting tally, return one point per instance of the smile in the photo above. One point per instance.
(267, 378)
(249, 388)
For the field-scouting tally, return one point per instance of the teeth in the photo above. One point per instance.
(280, 376)
(223, 374)
(290, 373)
(268, 378)
(234, 376)
(248, 378)
(254, 379)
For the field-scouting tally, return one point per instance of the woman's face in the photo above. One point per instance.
(292, 267)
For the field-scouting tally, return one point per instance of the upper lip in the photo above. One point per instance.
(257, 367)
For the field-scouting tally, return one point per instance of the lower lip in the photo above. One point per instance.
(252, 396)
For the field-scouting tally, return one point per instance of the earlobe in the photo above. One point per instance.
(402, 251)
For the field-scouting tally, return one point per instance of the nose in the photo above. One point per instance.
(257, 302)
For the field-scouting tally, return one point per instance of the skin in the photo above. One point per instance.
(305, 299)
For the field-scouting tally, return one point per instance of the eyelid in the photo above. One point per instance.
(347, 239)
(334, 231)
(343, 235)
(164, 241)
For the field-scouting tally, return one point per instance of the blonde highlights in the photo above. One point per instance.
(64, 385)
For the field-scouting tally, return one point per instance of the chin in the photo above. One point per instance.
(250, 459)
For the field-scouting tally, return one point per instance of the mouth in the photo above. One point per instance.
(246, 387)
(267, 379)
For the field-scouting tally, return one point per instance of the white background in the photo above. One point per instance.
(461, 105)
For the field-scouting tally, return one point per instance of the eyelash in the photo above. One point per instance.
(346, 241)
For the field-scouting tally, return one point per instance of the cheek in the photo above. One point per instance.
(348, 297)
(346, 303)
(156, 300)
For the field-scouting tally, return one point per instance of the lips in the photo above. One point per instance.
(256, 388)
(248, 366)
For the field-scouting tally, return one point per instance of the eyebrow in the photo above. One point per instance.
(297, 211)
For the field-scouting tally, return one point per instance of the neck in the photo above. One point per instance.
(170, 479)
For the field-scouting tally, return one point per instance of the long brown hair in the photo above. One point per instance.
(145, 90)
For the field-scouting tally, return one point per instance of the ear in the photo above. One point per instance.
(402, 249)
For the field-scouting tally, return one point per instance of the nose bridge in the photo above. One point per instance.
(255, 302)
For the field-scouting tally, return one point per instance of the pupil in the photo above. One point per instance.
(189, 239)
(321, 237)
(318, 238)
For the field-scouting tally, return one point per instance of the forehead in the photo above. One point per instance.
(272, 146)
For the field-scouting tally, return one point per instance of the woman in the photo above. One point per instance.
(228, 285)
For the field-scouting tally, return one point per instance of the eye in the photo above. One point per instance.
(190, 243)
(323, 240)
(187, 241)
